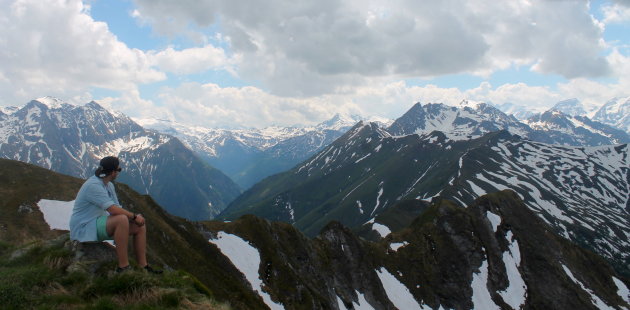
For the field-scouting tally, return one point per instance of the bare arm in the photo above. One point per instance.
(116, 210)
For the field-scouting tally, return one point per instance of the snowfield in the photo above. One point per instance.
(245, 258)
(397, 292)
(481, 297)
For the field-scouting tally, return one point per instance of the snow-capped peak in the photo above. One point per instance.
(381, 121)
(470, 104)
(617, 106)
(52, 102)
(340, 121)
(8, 110)
(571, 107)
(615, 112)
(520, 112)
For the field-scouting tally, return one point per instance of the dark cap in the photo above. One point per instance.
(107, 165)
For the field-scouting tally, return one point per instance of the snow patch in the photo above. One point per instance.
(418, 180)
(622, 290)
(594, 299)
(56, 213)
(481, 297)
(362, 158)
(516, 292)
(476, 189)
(348, 194)
(362, 305)
(288, 207)
(397, 292)
(378, 198)
(397, 245)
(340, 304)
(246, 259)
(498, 186)
(381, 229)
(495, 220)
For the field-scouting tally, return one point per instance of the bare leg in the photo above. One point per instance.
(139, 242)
(118, 226)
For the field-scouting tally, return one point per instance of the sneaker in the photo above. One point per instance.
(123, 269)
(148, 269)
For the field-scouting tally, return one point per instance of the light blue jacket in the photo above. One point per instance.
(92, 201)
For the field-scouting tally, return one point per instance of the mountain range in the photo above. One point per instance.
(72, 139)
(447, 207)
(435, 151)
(495, 253)
(615, 112)
(519, 112)
(249, 155)
(471, 120)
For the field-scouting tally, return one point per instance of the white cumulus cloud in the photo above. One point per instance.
(309, 48)
(56, 48)
(617, 13)
(190, 60)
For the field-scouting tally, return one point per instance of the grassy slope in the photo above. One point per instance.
(38, 279)
(172, 241)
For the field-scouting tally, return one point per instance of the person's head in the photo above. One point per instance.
(109, 166)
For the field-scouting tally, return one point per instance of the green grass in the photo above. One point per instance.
(35, 277)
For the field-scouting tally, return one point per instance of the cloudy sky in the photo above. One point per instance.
(220, 63)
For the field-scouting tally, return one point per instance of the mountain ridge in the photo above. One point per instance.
(71, 139)
(496, 252)
(472, 120)
(248, 156)
(367, 170)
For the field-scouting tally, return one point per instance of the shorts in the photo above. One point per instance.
(101, 229)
